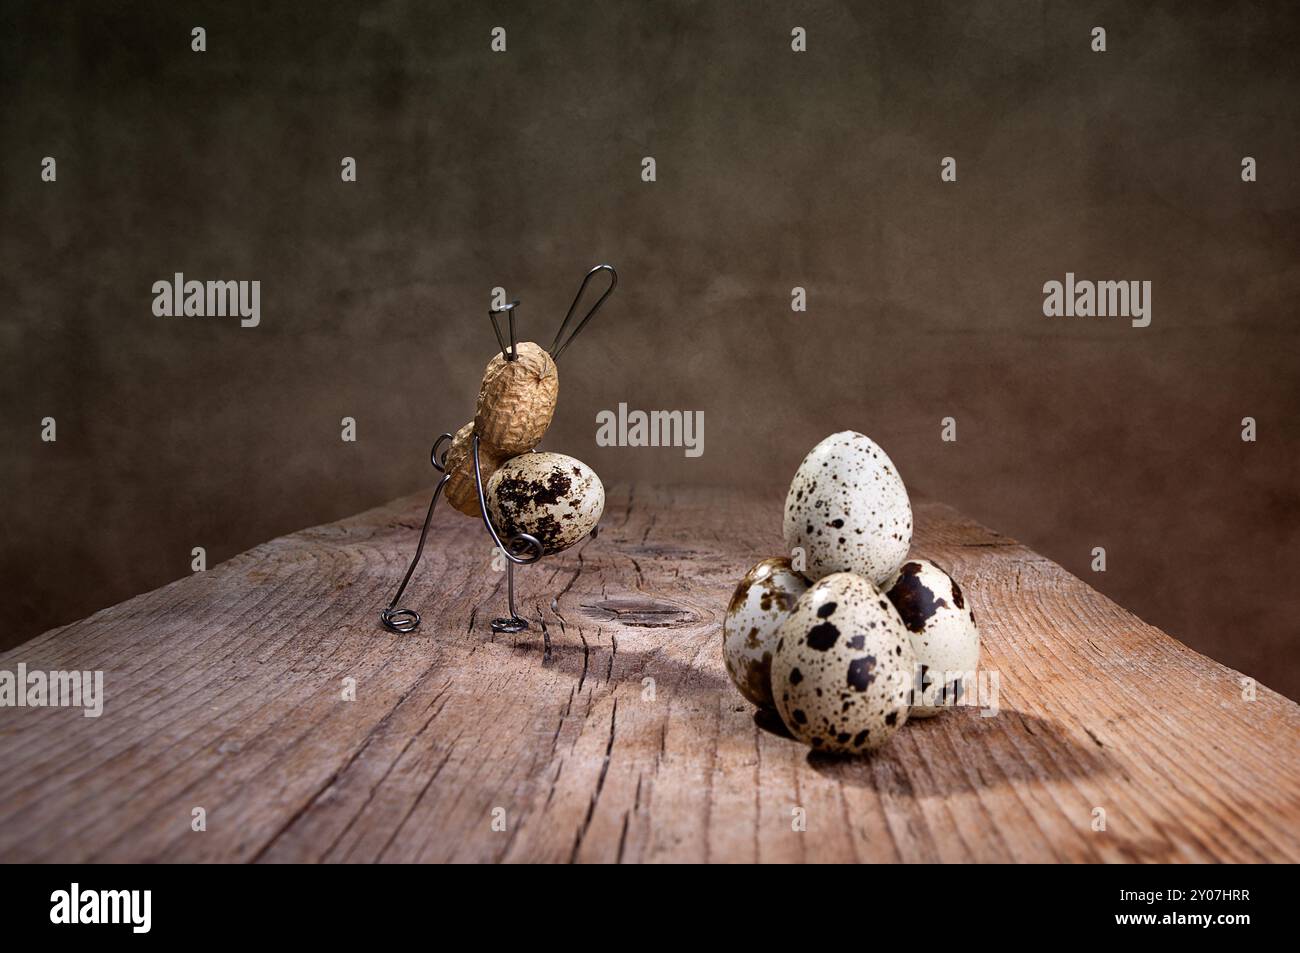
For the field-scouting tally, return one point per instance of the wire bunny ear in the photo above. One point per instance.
(509, 354)
(557, 347)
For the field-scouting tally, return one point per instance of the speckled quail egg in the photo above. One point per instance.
(758, 607)
(848, 509)
(550, 496)
(842, 669)
(944, 636)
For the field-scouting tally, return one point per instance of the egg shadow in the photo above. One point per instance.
(963, 750)
(768, 720)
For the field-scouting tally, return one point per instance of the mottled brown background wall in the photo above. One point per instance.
(775, 169)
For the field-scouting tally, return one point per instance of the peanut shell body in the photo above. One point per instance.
(461, 490)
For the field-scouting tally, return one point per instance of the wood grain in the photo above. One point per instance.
(624, 742)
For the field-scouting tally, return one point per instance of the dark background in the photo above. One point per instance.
(775, 169)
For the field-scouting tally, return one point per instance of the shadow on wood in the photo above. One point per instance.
(978, 752)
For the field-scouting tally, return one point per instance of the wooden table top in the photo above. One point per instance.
(626, 742)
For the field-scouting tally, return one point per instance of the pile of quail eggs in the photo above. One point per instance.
(850, 639)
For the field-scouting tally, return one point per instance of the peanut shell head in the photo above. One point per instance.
(517, 400)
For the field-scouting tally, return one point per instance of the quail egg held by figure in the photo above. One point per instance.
(552, 497)
(838, 639)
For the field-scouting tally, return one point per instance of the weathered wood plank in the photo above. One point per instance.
(625, 742)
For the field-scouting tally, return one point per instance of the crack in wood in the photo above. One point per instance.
(586, 656)
(397, 828)
(622, 838)
(370, 795)
(627, 512)
(546, 634)
(600, 784)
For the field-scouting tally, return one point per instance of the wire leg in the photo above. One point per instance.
(515, 623)
(408, 620)
(513, 550)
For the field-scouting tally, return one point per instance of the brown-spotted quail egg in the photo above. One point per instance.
(842, 670)
(550, 496)
(758, 607)
(848, 509)
(944, 636)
